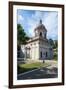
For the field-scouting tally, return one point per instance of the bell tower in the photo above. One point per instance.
(40, 30)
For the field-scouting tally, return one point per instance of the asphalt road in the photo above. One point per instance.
(44, 72)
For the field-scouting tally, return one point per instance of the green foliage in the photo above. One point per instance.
(21, 35)
(55, 56)
(31, 65)
(53, 43)
(27, 67)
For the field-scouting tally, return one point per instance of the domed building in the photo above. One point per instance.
(38, 47)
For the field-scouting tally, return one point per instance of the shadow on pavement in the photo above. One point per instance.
(40, 73)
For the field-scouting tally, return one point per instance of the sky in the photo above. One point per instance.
(29, 19)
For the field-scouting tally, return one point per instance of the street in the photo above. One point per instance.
(43, 72)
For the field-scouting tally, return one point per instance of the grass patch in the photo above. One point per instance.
(55, 56)
(27, 67)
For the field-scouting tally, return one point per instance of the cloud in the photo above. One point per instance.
(51, 23)
(20, 18)
(31, 20)
(34, 21)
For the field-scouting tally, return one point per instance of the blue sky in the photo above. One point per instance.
(29, 19)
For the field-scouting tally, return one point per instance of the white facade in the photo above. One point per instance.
(38, 47)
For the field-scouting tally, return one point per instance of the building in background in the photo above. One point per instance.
(38, 47)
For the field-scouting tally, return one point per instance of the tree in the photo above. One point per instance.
(51, 42)
(55, 44)
(21, 35)
(55, 49)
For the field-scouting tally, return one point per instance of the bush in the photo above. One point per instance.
(55, 56)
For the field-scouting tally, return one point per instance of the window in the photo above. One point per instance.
(40, 33)
(40, 54)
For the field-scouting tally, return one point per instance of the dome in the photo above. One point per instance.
(40, 26)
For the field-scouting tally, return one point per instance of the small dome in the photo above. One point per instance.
(40, 26)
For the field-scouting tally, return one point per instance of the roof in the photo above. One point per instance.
(37, 38)
(40, 26)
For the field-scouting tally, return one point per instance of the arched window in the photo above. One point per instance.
(40, 33)
(40, 54)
